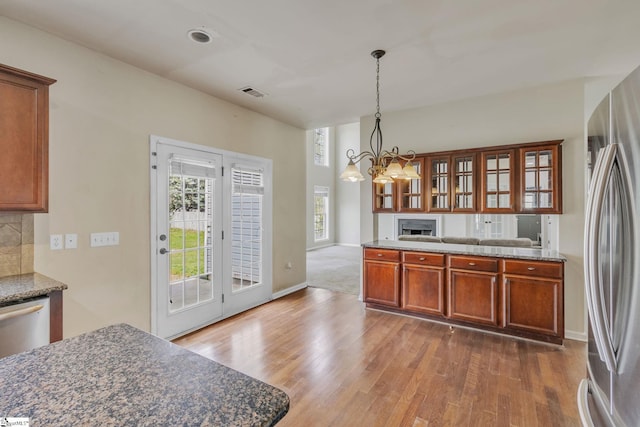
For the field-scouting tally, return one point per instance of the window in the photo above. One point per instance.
(321, 213)
(321, 147)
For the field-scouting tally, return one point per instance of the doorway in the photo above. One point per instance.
(210, 251)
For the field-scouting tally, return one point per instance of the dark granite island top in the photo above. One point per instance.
(120, 375)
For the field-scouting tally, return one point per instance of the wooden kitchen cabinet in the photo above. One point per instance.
(498, 181)
(511, 296)
(384, 197)
(438, 183)
(24, 133)
(423, 283)
(464, 182)
(533, 297)
(410, 198)
(381, 277)
(541, 178)
(473, 289)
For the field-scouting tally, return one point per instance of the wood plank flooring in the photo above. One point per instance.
(343, 365)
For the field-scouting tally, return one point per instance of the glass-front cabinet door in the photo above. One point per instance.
(464, 182)
(383, 197)
(498, 181)
(539, 188)
(410, 190)
(438, 185)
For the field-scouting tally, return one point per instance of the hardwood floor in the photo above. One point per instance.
(342, 365)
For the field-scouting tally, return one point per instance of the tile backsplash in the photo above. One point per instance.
(16, 244)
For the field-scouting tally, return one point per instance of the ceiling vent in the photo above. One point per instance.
(252, 91)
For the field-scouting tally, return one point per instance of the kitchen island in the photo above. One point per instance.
(508, 290)
(120, 375)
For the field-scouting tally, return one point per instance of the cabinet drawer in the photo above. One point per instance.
(423, 258)
(534, 268)
(474, 263)
(382, 254)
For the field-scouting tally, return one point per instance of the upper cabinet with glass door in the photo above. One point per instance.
(410, 190)
(540, 178)
(464, 182)
(498, 175)
(438, 185)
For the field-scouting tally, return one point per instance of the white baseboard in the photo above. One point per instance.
(577, 336)
(289, 290)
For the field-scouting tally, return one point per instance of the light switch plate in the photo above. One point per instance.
(71, 241)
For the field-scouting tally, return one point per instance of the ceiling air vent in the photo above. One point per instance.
(252, 91)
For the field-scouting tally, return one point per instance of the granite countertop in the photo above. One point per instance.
(456, 249)
(120, 375)
(15, 288)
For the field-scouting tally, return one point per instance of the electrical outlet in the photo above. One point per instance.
(70, 241)
(56, 242)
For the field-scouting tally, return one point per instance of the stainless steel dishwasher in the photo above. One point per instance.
(24, 326)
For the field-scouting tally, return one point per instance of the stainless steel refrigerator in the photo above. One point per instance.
(610, 395)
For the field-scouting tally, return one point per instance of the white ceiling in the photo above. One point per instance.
(313, 59)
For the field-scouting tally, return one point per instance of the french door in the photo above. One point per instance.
(210, 251)
(189, 239)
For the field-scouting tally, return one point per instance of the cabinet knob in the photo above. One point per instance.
(531, 268)
(472, 263)
(379, 254)
(421, 258)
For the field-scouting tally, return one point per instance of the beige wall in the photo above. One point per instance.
(537, 114)
(101, 115)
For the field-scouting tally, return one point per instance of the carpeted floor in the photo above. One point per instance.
(336, 268)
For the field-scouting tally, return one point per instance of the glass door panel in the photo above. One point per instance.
(439, 184)
(497, 175)
(383, 197)
(464, 183)
(538, 178)
(410, 190)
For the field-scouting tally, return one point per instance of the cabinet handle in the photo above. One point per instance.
(421, 258)
(379, 254)
(531, 268)
(472, 263)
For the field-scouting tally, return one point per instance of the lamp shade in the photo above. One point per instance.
(394, 170)
(410, 171)
(351, 173)
(382, 179)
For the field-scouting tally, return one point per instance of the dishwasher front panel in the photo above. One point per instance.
(24, 326)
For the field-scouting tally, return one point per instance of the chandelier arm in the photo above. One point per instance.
(393, 154)
(356, 158)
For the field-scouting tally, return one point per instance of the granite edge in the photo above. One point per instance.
(433, 247)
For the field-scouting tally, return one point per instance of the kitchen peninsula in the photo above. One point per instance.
(510, 290)
(120, 375)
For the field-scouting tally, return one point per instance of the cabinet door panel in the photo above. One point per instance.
(24, 105)
(473, 296)
(497, 175)
(533, 304)
(423, 289)
(382, 283)
(541, 178)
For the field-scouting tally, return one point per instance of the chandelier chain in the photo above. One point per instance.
(377, 88)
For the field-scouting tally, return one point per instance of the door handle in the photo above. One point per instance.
(20, 312)
(603, 168)
(583, 406)
(163, 251)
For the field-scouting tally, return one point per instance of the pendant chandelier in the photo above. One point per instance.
(385, 165)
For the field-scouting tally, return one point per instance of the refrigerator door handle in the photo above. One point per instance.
(603, 169)
(583, 405)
